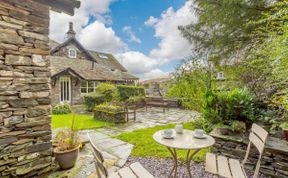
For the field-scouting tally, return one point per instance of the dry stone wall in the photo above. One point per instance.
(274, 162)
(25, 131)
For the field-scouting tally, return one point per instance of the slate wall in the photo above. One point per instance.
(25, 131)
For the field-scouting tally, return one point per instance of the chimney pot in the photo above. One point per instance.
(71, 32)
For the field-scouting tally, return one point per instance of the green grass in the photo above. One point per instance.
(81, 122)
(145, 146)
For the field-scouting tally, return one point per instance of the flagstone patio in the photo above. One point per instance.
(116, 152)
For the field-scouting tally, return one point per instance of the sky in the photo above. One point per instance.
(142, 34)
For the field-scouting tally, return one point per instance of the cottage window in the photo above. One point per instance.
(88, 87)
(220, 75)
(72, 53)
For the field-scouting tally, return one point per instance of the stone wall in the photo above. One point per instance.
(274, 162)
(25, 131)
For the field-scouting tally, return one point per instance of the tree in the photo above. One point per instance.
(228, 28)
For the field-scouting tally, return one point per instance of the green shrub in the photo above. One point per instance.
(136, 99)
(127, 91)
(238, 126)
(224, 107)
(107, 89)
(93, 99)
(64, 108)
(108, 108)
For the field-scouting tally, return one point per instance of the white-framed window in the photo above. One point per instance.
(220, 75)
(72, 53)
(88, 86)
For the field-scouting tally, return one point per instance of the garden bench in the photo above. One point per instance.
(156, 102)
(135, 170)
(128, 109)
(232, 168)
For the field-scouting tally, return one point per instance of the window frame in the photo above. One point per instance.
(69, 53)
(87, 87)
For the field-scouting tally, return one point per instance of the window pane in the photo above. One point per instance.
(83, 90)
(90, 90)
(90, 84)
(83, 84)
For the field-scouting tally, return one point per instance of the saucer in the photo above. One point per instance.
(199, 136)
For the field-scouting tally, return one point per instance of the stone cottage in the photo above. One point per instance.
(25, 100)
(77, 71)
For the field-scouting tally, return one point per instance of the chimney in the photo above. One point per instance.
(71, 32)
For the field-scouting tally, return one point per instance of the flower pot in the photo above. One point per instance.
(285, 134)
(66, 159)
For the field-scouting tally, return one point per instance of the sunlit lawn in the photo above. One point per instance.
(145, 146)
(81, 122)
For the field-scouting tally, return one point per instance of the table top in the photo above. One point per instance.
(184, 141)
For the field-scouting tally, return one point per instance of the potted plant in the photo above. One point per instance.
(66, 149)
(284, 127)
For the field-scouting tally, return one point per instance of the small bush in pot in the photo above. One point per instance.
(66, 149)
(284, 127)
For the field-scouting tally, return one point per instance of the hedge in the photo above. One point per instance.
(127, 91)
(93, 99)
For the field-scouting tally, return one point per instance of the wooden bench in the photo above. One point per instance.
(135, 170)
(156, 102)
(232, 168)
(128, 109)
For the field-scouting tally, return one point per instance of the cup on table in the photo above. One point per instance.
(199, 133)
(179, 128)
(167, 133)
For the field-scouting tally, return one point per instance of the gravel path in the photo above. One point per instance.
(161, 168)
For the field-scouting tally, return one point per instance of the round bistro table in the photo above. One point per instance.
(184, 141)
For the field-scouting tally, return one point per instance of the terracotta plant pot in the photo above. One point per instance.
(66, 159)
(285, 134)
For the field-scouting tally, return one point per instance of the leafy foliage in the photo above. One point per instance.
(127, 91)
(227, 26)
(64, 108)
(108, 108)
(224, 107)
(93, 99)
(107, 89)
(136, 99)
(192, 79)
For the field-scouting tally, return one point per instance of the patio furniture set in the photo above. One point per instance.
(193, 142)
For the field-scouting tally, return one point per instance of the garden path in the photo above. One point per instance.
(116, 152)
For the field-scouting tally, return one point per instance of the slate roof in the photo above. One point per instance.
(109, 61)
(85, 71)
(106, 66)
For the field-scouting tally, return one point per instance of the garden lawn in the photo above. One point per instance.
(81, 122)
(145, 146)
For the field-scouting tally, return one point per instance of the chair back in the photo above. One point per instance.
(257, 137)
(98, 160)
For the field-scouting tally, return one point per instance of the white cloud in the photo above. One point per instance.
(172, 46)
(131, 34)
(100, 38)
(96, 8)
(155, 73)
(136, 62)
(151, 21)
